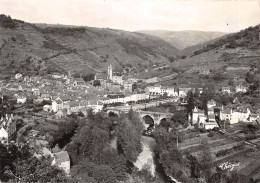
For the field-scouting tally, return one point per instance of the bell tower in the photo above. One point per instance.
(109, 72)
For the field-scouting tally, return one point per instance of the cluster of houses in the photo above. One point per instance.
(217, 111)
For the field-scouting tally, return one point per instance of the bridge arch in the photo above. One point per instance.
(147, 120)
(110, 112)
(113, 114)
(164, 123)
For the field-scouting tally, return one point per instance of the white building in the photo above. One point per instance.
(226, 90)
(3, 135)
(18, 76)
(235, 115)
(21, 99)
(241, 88)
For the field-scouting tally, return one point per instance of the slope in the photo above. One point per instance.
(60, 48)
(242, 47)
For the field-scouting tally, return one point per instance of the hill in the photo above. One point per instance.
(241, 48)
(40, 49)
(184, 39)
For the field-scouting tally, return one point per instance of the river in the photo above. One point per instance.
(147, 156)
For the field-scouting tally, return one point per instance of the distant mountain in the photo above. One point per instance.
(188, 51)
(184, 39)
(42, 48)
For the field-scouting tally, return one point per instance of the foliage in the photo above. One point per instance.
(50, 44)
(88, 77)
(179, 118)
(93, 159)
(96, 83)
(190, 101)
(129, 132)
(19, 165)
(7, 22)
(245, 38)
(63, 31)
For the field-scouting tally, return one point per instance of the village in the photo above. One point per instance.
(62, 95)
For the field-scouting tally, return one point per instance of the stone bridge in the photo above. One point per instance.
(157, 117)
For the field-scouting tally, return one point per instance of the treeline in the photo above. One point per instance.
(94, 159)
(7, 22)
(63, 31)
(86, 77)
(248, 38)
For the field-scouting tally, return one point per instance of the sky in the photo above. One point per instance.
(133, 15)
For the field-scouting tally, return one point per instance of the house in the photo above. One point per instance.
(100, 76)
(240, 115)
(21, 99)
(62, 160)
(241, 88)
(117, 79)
(57, 75)
(57, 105)
(84, 111)
(195, 115)
(96, 105)
(18, 76)
(183, 91)
(226, 114)
(211, 104)
(74, 106)
(235, 115)
(128, 86)
(226, 90)
(61, 113)
(171, 92)
(46, 96)
(154, 90)
(3, 135)
(47, 108)
(78, 82)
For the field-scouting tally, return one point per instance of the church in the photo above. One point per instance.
(110, 75)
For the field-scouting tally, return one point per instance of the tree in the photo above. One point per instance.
(206, 159)
(250, 77)
(129, 133)
(19, 165)
(179, 118)
(204, 97)
(190, 101)
(96, 83)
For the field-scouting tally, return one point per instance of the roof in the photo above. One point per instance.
(211, 116)
(58, 101)
(227, 111)
(73, 103)
(78, 79)
(65, 97)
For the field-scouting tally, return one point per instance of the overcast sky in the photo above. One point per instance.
(131, 15)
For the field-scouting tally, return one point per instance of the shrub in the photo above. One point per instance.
(216, 129)
(224, 152)
(203, 130)
(211, 134)
(7, 22)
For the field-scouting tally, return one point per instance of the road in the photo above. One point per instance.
(136, 107)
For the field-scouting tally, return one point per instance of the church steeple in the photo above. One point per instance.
(109, 72)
